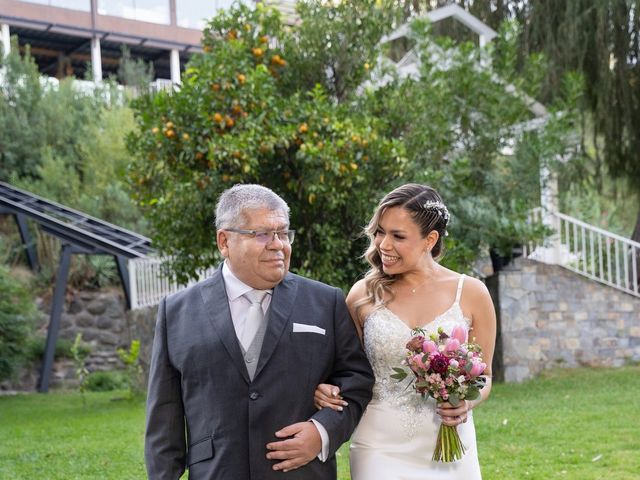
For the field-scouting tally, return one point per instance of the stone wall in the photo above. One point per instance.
(551, 316)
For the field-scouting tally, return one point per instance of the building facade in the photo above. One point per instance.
(84, 38)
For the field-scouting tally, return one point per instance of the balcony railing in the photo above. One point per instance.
(589, 251)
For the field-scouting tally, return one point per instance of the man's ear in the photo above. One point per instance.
(221, 240)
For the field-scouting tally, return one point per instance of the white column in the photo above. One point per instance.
(175, 66)
(550, 206)
(6, 39)
(96, 60)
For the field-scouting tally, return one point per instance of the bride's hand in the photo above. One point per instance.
(328, 396)
(454, 416)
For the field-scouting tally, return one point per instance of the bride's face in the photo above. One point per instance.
(399, 242)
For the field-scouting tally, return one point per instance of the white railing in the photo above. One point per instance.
(149, 282)
(589, 251)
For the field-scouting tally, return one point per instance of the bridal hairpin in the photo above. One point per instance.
(439, 207)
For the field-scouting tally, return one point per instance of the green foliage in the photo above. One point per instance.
(131, 360)
(106, 381)
(295, 111)
(234, 120)
(36, 118)
(65, 144)
(17, 313)
(35, 347)
(134, 72)
(463, 135)
(79, 362)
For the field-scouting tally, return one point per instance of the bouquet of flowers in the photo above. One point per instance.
(446, 368)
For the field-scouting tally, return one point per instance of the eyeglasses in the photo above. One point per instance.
(285, 236)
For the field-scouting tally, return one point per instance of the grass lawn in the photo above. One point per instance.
(568, 424)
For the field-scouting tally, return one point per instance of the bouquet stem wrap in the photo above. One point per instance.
(449, 447)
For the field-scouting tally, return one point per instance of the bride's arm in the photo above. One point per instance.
(483, 329)
(477, 305)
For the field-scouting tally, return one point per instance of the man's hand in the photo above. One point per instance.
(303, 446)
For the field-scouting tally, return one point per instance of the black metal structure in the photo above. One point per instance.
(80, 234)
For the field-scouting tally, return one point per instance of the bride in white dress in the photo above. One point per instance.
(404, 289)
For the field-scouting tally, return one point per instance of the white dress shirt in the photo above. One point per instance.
(239, 305)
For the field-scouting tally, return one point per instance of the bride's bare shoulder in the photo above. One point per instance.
(358, 292)
(356, 295)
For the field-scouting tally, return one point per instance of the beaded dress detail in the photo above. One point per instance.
(396, 436)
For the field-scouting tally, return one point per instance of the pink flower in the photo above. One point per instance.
(452, 345)
(477, 368)
(460, 334)
(416, 363)
(429, 346)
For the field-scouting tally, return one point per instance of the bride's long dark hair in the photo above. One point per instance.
(427, 210)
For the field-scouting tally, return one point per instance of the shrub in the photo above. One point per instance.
(104, 381)
(17, 314)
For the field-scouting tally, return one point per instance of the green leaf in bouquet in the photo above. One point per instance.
(422, 384)
(454, 399)
(400, 374)
(468, 366)
(472, 393)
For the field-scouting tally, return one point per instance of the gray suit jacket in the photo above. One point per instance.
(203, 411)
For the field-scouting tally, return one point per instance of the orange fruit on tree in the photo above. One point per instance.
(169, 125)
(232, 35)
(217, 117)
(215, 87)
(257, 52)
(185, 136)
(207, 48)
(170, 133)
(264, 39)
(303, 128)
(155, 130)
(229, 122)
(241, 78)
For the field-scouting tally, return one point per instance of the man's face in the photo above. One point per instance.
(259, 265)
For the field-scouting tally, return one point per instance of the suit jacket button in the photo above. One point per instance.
(254, 395)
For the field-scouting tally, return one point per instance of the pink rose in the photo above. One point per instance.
(459, 333)
(429, 346)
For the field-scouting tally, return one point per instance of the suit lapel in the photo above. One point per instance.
(284, 295)
(216, 302)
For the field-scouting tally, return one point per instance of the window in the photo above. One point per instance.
(154, 11)
(195, 13)
(81, 5)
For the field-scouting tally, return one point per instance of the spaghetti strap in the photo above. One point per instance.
(459, 292)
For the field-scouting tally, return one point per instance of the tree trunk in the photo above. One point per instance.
(635, 236)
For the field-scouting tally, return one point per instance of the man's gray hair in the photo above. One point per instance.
(236, 200)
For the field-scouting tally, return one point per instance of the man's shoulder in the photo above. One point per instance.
(194, 290)
(310, 283)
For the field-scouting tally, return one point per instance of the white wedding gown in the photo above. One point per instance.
(397, 435)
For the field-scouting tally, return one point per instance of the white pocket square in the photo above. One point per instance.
(302, 327)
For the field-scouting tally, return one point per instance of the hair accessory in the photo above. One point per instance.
(439, 207)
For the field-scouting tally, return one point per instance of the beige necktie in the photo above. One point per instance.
(255, 316)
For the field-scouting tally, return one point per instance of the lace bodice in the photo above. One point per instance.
(385, 338)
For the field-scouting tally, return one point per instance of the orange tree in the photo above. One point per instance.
(239, 117)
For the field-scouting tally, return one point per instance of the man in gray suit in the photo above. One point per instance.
(237, 357)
